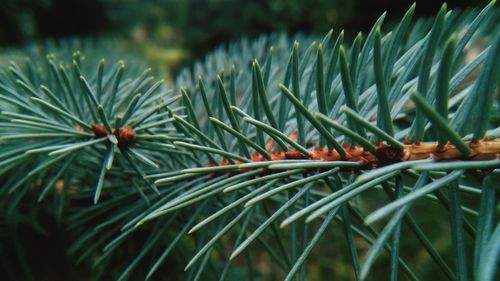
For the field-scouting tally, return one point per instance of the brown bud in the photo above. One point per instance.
(99, 131)
(294, 154)
(125, 136)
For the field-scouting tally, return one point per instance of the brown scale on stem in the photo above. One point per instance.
(125, 136)
(386, 154)
(99, 131)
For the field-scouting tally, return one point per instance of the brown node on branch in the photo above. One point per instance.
(278, 155)
(295, 154)
(99, 131)
(418, 151)
(447, 152)
(324, 154)
(485, 150)
(387, 154)
(479, 150)
(257, 157)
(125, 136)
(359, 154)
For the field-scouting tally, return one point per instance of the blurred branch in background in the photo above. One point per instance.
(171, 33)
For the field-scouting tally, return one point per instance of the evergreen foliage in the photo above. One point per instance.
(266, 145)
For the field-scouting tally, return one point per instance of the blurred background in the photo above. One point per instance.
(173, 33)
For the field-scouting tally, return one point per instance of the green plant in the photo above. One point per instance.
(353, 134)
